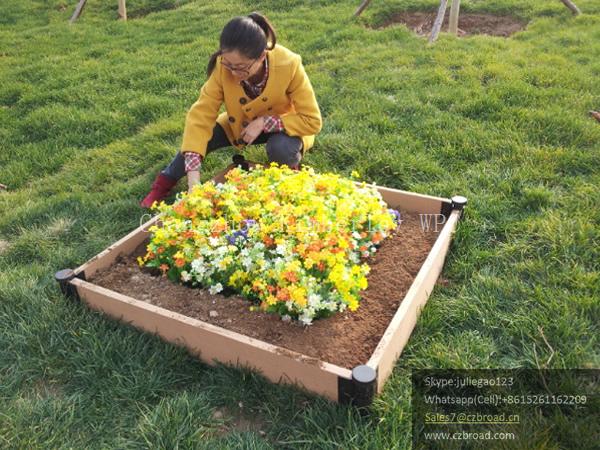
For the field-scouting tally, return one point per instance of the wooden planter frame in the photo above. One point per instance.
(213, 344)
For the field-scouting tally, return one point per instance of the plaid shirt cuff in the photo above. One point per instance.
(273, 124)
(193, 161)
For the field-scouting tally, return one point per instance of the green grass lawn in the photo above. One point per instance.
(90, 112)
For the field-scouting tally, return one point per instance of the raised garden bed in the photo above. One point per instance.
(346, 358)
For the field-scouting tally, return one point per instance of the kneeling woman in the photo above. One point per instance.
(268, 99)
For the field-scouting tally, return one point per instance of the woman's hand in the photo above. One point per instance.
(253, 130)
(193, 177)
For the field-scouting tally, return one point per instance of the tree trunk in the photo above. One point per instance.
(78, 10)
(122, 10)
(362, 7)
(574, 9)
(437, 25)
(453, 22)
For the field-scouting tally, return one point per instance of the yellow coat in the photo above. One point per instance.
(288, 94)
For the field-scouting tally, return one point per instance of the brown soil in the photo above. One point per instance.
(346, 339)
(421, 22)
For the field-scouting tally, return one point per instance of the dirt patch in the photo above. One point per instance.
(239, 420)
(3, 246)
(421, 22)
(346, 339)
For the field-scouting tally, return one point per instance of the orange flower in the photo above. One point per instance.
(377, 237)
(291, 276)
(315, 247)
(180, 262)
(179, 208)
(283, 294)
(163, 268)
(160, 250)
(268, 240)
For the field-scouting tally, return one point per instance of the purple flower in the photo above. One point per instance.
(397, 216)
(249, 223)
(232, 238)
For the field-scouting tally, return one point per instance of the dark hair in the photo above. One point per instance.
(250, 35)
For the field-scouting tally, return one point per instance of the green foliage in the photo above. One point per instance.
(90, 112)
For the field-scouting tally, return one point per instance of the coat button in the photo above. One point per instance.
(243, 100)
(264, 99)
(270, 108)
(248, 109)
(244, 124)
(240, 141)
(231, 119)
(254, 118)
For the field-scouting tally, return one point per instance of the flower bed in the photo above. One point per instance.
(217, 340)
(293, 242)
(346, 339)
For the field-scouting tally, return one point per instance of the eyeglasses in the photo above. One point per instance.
(243, 70)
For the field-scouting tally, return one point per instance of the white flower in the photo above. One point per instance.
(215, 289)
(314, 300)
(280, 250)
(213, 241)
(185, 276)
(286, 318)
(306, 317)
(356, 235)
(331, 306)
(198, 265)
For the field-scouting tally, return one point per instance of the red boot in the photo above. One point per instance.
(160, 190)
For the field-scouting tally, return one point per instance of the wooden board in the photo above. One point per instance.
(409, 201)
(402, 324)
(212, 343)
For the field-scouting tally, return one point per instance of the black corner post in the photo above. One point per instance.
(361, 389)
(63, 277)
(240, 160)
(458, 203)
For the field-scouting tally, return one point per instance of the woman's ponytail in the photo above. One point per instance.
(212, 62)
(267, 28)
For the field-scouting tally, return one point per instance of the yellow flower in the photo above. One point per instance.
(313, 215)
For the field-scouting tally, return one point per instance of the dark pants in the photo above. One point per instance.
(281, 148)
